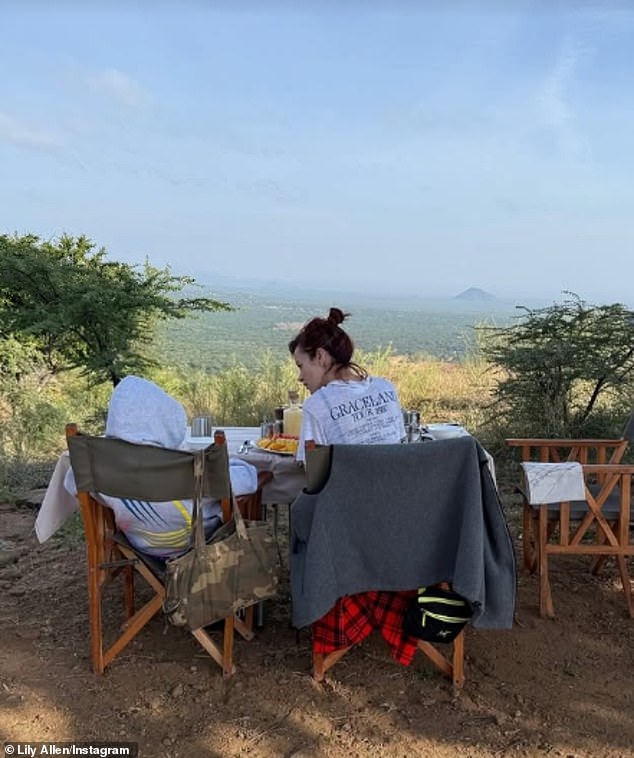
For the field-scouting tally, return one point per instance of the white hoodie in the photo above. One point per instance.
(141, 412)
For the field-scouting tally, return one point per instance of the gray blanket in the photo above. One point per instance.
(398, 517)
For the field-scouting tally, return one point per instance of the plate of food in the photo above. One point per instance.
(279, 444)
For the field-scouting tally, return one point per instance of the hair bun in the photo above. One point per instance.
(336, 315)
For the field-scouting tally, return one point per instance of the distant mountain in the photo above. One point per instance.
(474, 293)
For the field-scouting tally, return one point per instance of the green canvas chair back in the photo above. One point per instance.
(124, 469)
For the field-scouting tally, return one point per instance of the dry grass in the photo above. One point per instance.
(441, 391)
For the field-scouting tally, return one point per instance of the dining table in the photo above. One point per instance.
(287, 482)
(288, 474)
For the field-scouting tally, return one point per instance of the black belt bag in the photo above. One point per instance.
(437, 615)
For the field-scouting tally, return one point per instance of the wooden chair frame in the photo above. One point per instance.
(604, 519)
(543, 450)
(451, 666)
(107, 558)
(558, 450)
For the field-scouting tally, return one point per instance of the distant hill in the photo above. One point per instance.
(474, 293)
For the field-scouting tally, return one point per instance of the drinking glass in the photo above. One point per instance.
(202, 426)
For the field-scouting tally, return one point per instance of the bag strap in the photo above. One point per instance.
(198, 528)
(241, 527)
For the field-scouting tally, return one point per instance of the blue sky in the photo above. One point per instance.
(365, 146)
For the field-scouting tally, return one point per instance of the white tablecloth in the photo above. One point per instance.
(448, 431)
(58, 504)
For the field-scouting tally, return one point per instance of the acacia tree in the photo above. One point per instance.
(67, 302)
(559, 362)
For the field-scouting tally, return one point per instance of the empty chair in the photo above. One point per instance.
(590, 516)
(557, 450)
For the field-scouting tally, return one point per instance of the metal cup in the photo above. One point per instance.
(412, 425)
(202, 426)
(413, 433)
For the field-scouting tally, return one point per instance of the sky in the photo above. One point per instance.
(366, 146)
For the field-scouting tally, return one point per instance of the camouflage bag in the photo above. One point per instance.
(238, 567)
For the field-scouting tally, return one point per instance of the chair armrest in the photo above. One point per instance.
(583, 449)
(608, 468)
(565, 442)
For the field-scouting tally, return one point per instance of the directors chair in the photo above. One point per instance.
(393, 518)
(589, 517)
(594, 451)
(144, 473)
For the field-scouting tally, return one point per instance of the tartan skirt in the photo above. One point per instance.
(354, 617)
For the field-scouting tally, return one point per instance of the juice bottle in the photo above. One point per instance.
(293, 415)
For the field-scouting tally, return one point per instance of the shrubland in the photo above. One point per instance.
(72, 324)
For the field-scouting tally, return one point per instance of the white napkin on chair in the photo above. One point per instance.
(554, 482)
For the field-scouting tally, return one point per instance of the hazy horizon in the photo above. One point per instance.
(301, 291)
(371, 146)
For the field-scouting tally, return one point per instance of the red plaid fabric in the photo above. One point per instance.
(353, 618)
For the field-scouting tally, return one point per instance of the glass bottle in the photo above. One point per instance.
(293, 415)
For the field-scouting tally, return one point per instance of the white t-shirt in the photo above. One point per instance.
(366, 412)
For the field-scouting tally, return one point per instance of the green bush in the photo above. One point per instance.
(33, 415)
(564, 371)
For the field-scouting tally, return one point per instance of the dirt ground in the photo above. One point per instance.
(560, 687)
